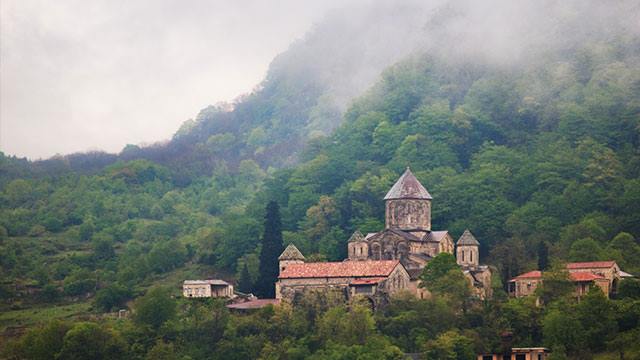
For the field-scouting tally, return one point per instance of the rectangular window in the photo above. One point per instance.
(364, 289)
(521, 356)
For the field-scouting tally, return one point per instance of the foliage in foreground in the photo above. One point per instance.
(436, 328)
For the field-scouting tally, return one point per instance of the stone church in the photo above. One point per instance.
(407, 239)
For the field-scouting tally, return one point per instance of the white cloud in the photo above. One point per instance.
(78, 75)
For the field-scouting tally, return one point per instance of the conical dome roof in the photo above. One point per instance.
(291, 253)
(467, 238)
(356, 237)
(408, 187)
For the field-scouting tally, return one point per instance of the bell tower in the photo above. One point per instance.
(290, 255)
(467, 250)
(408, 205)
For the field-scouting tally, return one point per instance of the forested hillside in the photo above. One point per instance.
(529, 147)
(522, 156)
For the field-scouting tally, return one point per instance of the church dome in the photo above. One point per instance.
(408, 187)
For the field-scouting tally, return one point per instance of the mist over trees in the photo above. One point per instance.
(521, 119)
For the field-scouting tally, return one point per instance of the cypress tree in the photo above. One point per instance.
(271, 249)
(543, 256)
(244, 284)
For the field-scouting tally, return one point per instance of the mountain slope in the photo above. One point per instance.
(535, 143)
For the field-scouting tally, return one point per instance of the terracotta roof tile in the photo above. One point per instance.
(408, 187)
(591, 264)
(367, 281)
(584, 276)
(370, 268)
(535, 274)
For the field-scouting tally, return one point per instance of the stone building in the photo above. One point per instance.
(532, 353)
(525, 284)
(372, 279)
(207, 288)
(605, 274)
(407, 239)
(290, 255)
(584, 275)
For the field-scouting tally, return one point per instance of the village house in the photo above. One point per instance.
(532, 353)
(207, 288)
(391, 260)
(604, 274)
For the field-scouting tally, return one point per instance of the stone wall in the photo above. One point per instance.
(358, 250)
(467, 255)
(446, 245)
(419, 292)
(291, 289)
(526, 287)
(611, 274)
(408, 214)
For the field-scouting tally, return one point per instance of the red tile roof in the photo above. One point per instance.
(371, 268)
(590, 264)
(576, 276)
(584, 276)
(367, 281)
(254, 304)
(535, 274)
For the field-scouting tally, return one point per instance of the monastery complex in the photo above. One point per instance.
(391, 260)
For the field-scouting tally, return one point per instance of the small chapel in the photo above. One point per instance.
(382, 263)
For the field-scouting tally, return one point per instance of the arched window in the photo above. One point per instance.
(471, 256)
(462, 255)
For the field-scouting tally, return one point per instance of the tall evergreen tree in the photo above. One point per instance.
(244, 283)
(271, 249)
(543, 256)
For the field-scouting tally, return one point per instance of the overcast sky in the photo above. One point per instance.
(79, 75)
